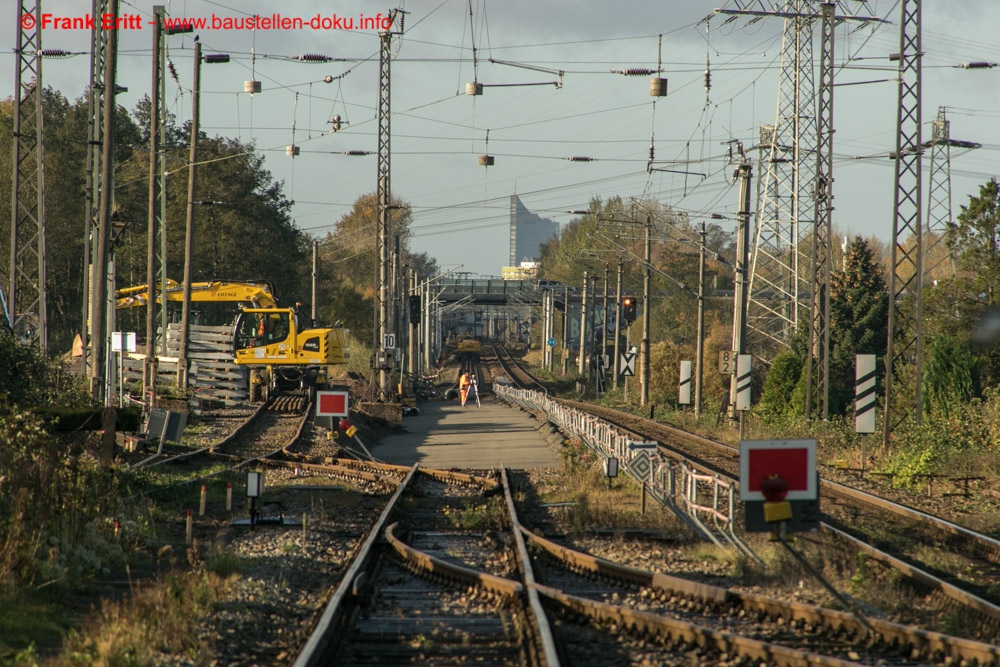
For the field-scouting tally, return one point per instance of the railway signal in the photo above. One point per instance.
(629, 310)
(779, 485)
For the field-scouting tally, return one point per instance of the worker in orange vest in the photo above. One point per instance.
(463, 387)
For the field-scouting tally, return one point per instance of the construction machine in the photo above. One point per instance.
(267, 339)
(255, 294)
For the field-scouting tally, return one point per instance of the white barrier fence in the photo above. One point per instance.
(707, 503)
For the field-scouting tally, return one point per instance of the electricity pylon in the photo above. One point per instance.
(26, 289)
(939, 208)
(780, 276)
(903, 352)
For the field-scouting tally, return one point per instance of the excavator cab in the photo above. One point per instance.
(259, 329)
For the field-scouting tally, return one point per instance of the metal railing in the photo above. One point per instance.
(706, 503)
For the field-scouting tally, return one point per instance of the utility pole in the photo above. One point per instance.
(818, 356)
(182, 359)
(939, 191)
(148, 371)
(547, 307)
(581, 365)
(700, 351)
(314, 311)
(411, 339)
(26, 289)
(644, 353)
(99, 279)
(618, 320)
(565, 331)
(92, 193)
(425, 324)
(903, 351)
(604, 313)
(395, 317)
(744, 175)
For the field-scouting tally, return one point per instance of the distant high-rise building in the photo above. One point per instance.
(528, 232)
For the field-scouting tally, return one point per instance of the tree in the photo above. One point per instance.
(953, 305)
(859, 317)
(349, 262)
(949, 375)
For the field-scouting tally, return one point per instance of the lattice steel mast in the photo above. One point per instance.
(904, 354)
(26, 289)
(782, 240)
(939, 192)
(818, 359)
(383, 198)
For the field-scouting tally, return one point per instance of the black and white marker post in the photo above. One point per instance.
(864, 402)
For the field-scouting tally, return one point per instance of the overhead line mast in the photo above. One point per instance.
(783, 288)
(903, 352)
(26, 289)
(383, 198)
(99, 62)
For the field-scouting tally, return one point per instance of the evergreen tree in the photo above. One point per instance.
(949, 375)
(859, 320)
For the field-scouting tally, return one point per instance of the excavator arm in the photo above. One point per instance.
(251, 294)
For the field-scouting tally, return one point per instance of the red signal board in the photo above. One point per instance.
(792, 460)
(332, 403)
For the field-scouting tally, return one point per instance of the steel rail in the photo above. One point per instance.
(690, 633)
(222, 443)
(544, 628)
(970, 600)
(923, 640)
(857, 494)
(453, 572)
(316, 648)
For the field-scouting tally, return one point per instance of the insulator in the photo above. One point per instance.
(708, 80)
(314, 57)
(356, 152)
(327, 79)
(173, 70)
(979, 64)
(581, 158)
(636, 71)
(54, 53)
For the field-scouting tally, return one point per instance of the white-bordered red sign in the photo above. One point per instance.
(332, 403)
(792, 460)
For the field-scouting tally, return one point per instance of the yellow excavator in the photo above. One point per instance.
(266, 338)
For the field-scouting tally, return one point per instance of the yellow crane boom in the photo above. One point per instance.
(251, 294)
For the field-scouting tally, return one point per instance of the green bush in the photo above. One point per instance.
(55, 504)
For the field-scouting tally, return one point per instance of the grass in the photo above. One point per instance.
(30, 621)
(161, 618)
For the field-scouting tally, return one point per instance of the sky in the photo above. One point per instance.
(528, 123)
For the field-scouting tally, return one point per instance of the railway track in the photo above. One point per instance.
(954, 569)
(266, 434)
(447, 576)
(428, 585)
(955, 564)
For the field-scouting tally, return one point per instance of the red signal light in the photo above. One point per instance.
(774, 488)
